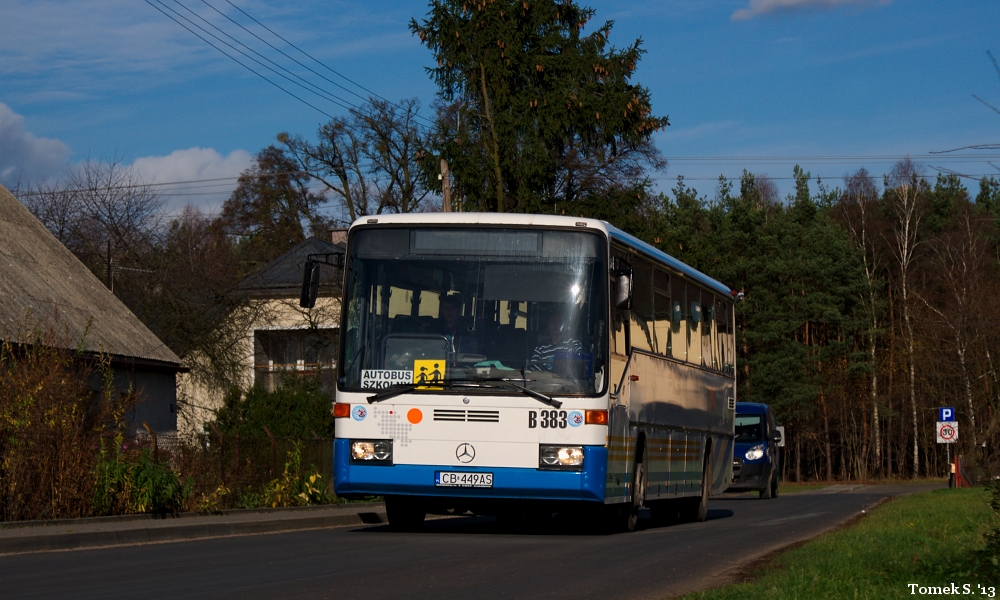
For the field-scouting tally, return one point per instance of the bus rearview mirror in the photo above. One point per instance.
(310, 284)
(623, 291)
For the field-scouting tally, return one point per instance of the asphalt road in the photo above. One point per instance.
(452, 558)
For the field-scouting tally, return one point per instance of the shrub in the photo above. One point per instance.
(294, 488)
(297, 408)
(51, 423)
(129, 480)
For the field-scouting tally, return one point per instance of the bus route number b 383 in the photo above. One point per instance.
(547, 419)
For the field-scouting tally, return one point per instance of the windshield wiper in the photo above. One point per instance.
(391, 392)
(399, 390)
(529, 392)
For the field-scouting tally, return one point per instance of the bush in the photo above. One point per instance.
(298, 408)
(51, 423)
(294, 488)
(129, 480)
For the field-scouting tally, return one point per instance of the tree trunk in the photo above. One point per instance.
(496, 141)
(826, 436)
(913, 389)
(798, 457)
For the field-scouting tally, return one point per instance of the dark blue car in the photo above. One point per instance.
(755, 453)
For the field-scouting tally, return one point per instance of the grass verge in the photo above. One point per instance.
(926, 538)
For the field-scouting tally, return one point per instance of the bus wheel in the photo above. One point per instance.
(404, 514)
(696, 509)
(630, 516)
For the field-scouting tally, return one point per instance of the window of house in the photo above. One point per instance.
(300, 351)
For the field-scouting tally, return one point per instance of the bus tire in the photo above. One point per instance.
(630, 516)
(404, 514)
(696, 509)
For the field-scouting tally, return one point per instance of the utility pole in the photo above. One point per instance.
(445, 186)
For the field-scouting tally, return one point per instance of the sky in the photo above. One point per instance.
(832, 85)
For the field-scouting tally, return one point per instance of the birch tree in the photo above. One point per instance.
(904, 201)
(858, 211)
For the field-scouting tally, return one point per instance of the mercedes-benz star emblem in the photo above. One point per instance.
(465, 453)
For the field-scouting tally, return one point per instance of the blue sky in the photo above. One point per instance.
(795, 79)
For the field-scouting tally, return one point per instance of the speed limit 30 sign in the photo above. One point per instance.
(947, 432)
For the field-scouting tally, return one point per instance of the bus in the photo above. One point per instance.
(509, 364)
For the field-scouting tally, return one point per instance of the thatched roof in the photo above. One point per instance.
(41, 281)
(282, 277)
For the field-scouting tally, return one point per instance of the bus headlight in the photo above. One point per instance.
(371, 451)
(560, 457)
(755, 453)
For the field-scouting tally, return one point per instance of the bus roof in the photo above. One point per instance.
(455, 218)
(661, 256)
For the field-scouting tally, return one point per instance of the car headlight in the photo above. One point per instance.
(755, 453)
(560, 457)
(371, 451)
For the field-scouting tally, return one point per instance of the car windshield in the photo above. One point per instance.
(749, 428)
(437, 306)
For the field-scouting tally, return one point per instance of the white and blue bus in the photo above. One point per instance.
(498, 364)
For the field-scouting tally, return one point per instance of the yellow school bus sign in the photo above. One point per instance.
(428, 374)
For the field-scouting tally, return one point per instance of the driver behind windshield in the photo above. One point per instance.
(455, 327)
(558, 341)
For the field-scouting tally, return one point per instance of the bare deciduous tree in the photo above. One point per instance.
(906, 204)
(369, 160)
(858, 211)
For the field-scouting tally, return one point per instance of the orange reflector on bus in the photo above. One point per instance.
(597, 417)
(341, 410)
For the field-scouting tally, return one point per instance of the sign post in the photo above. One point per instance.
(947, 433)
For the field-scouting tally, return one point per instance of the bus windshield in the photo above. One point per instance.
(435, 306)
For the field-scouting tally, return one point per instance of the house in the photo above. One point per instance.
(42, 281)
(281, 337)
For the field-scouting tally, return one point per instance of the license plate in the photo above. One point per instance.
(460, 479)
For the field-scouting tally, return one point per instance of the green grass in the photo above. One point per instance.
(788, 487)
(924, 538)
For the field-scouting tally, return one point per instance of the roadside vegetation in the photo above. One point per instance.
(932, 539)
(68, 450)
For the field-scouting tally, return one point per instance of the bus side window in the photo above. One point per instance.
(678, 318)
(642, 305)
(707, 327)
(661, 311)
(694, 323)
(720, 332)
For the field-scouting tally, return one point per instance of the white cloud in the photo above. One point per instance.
(26, 157)
(763, 7)
(194, 165)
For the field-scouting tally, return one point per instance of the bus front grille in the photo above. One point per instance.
(463, 416)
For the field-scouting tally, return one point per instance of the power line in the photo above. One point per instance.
(306, 67)
(292, 81)
(316, 60)
(234, 59)
(824, 177)
(331, 97)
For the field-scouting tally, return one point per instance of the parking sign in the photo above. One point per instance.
(946, 413)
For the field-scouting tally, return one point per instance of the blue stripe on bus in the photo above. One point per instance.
(508, 482)
(662, 256)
